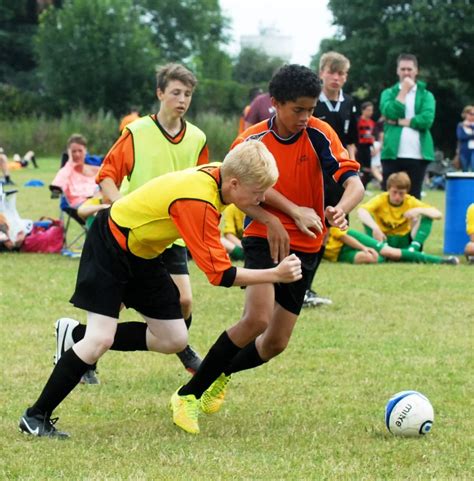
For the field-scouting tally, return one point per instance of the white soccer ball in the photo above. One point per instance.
(409, 414)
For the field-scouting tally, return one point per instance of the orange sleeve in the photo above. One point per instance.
(203, 156)
(118, 163)
(198, 224)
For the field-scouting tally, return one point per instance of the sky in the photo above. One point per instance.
(307, 21)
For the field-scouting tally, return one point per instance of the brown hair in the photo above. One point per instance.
(174, 71)
(77, 139)
(399, 180)
(407, 56)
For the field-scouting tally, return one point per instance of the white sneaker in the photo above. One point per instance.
(64, 340)
(311, 299)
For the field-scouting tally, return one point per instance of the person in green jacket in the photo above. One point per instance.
(409, 110)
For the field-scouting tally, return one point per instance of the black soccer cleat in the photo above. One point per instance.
(190, 359)
(40, 425)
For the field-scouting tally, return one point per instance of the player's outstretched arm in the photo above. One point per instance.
(289, 270)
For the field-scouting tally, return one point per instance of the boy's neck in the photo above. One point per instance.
(331, 94)
(170, 123)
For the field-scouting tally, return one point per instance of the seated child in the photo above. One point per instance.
(398, 218)
(469, 250)
(233, 230)
(357, 248)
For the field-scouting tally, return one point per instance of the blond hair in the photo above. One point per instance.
(251, 163)
(466, 109)
(399, 180)
(336, 62)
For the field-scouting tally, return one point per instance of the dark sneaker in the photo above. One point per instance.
(470, 259)
(190, 359)
(311, 299)
(41, 426)
(64, 340)
(90, 377)
(453, 260)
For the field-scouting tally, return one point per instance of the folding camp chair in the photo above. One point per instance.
(66, 213)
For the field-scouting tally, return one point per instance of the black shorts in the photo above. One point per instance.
(289, 296)
(108, 276)
(175, 259)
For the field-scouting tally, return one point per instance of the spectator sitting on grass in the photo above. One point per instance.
(398, 218)
(469, 250)
(232, 232)
(356, 247)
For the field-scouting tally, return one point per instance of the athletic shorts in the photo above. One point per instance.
(289, 296)
(175, 259)
(108, 276)
(347, 254)
(397, 241)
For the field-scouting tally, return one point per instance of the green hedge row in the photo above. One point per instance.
(48, 136)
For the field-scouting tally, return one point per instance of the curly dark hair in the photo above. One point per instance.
(293, 81)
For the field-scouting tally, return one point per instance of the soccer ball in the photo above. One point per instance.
(409, 414)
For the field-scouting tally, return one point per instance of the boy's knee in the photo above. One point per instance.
(274, 347)
(254, 325)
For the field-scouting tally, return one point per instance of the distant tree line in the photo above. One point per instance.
(57, 56)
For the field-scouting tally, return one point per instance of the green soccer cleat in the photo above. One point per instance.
(213, 398)
(185, 412)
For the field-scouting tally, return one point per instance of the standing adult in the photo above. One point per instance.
(409, 110)
(149, 147)
(465, 135)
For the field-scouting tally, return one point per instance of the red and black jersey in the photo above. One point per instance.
(365, 128)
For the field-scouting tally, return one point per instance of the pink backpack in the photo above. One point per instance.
(47, 236)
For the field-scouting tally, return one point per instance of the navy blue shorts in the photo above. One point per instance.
(289, 296)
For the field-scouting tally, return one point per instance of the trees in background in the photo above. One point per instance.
(439, 32)
(103, 54)
(96, 55)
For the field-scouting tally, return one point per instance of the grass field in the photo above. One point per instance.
(314, 413)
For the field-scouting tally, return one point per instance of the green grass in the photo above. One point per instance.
(314, 413)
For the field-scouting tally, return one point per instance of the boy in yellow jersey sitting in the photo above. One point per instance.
(469, 250)
(232, 232)
(356, 247)
(121, 263)
(400, 219)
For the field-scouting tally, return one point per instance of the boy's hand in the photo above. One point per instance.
(278, 240)
(378, 235)
(289, 270)
(305, 219)
(336, 217)
(412, 213)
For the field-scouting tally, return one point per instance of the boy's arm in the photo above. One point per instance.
(198, 224)
(305, 217)
(278, 238)
(353, 194)
(368, 220)
(430, 212)
(117, 164)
